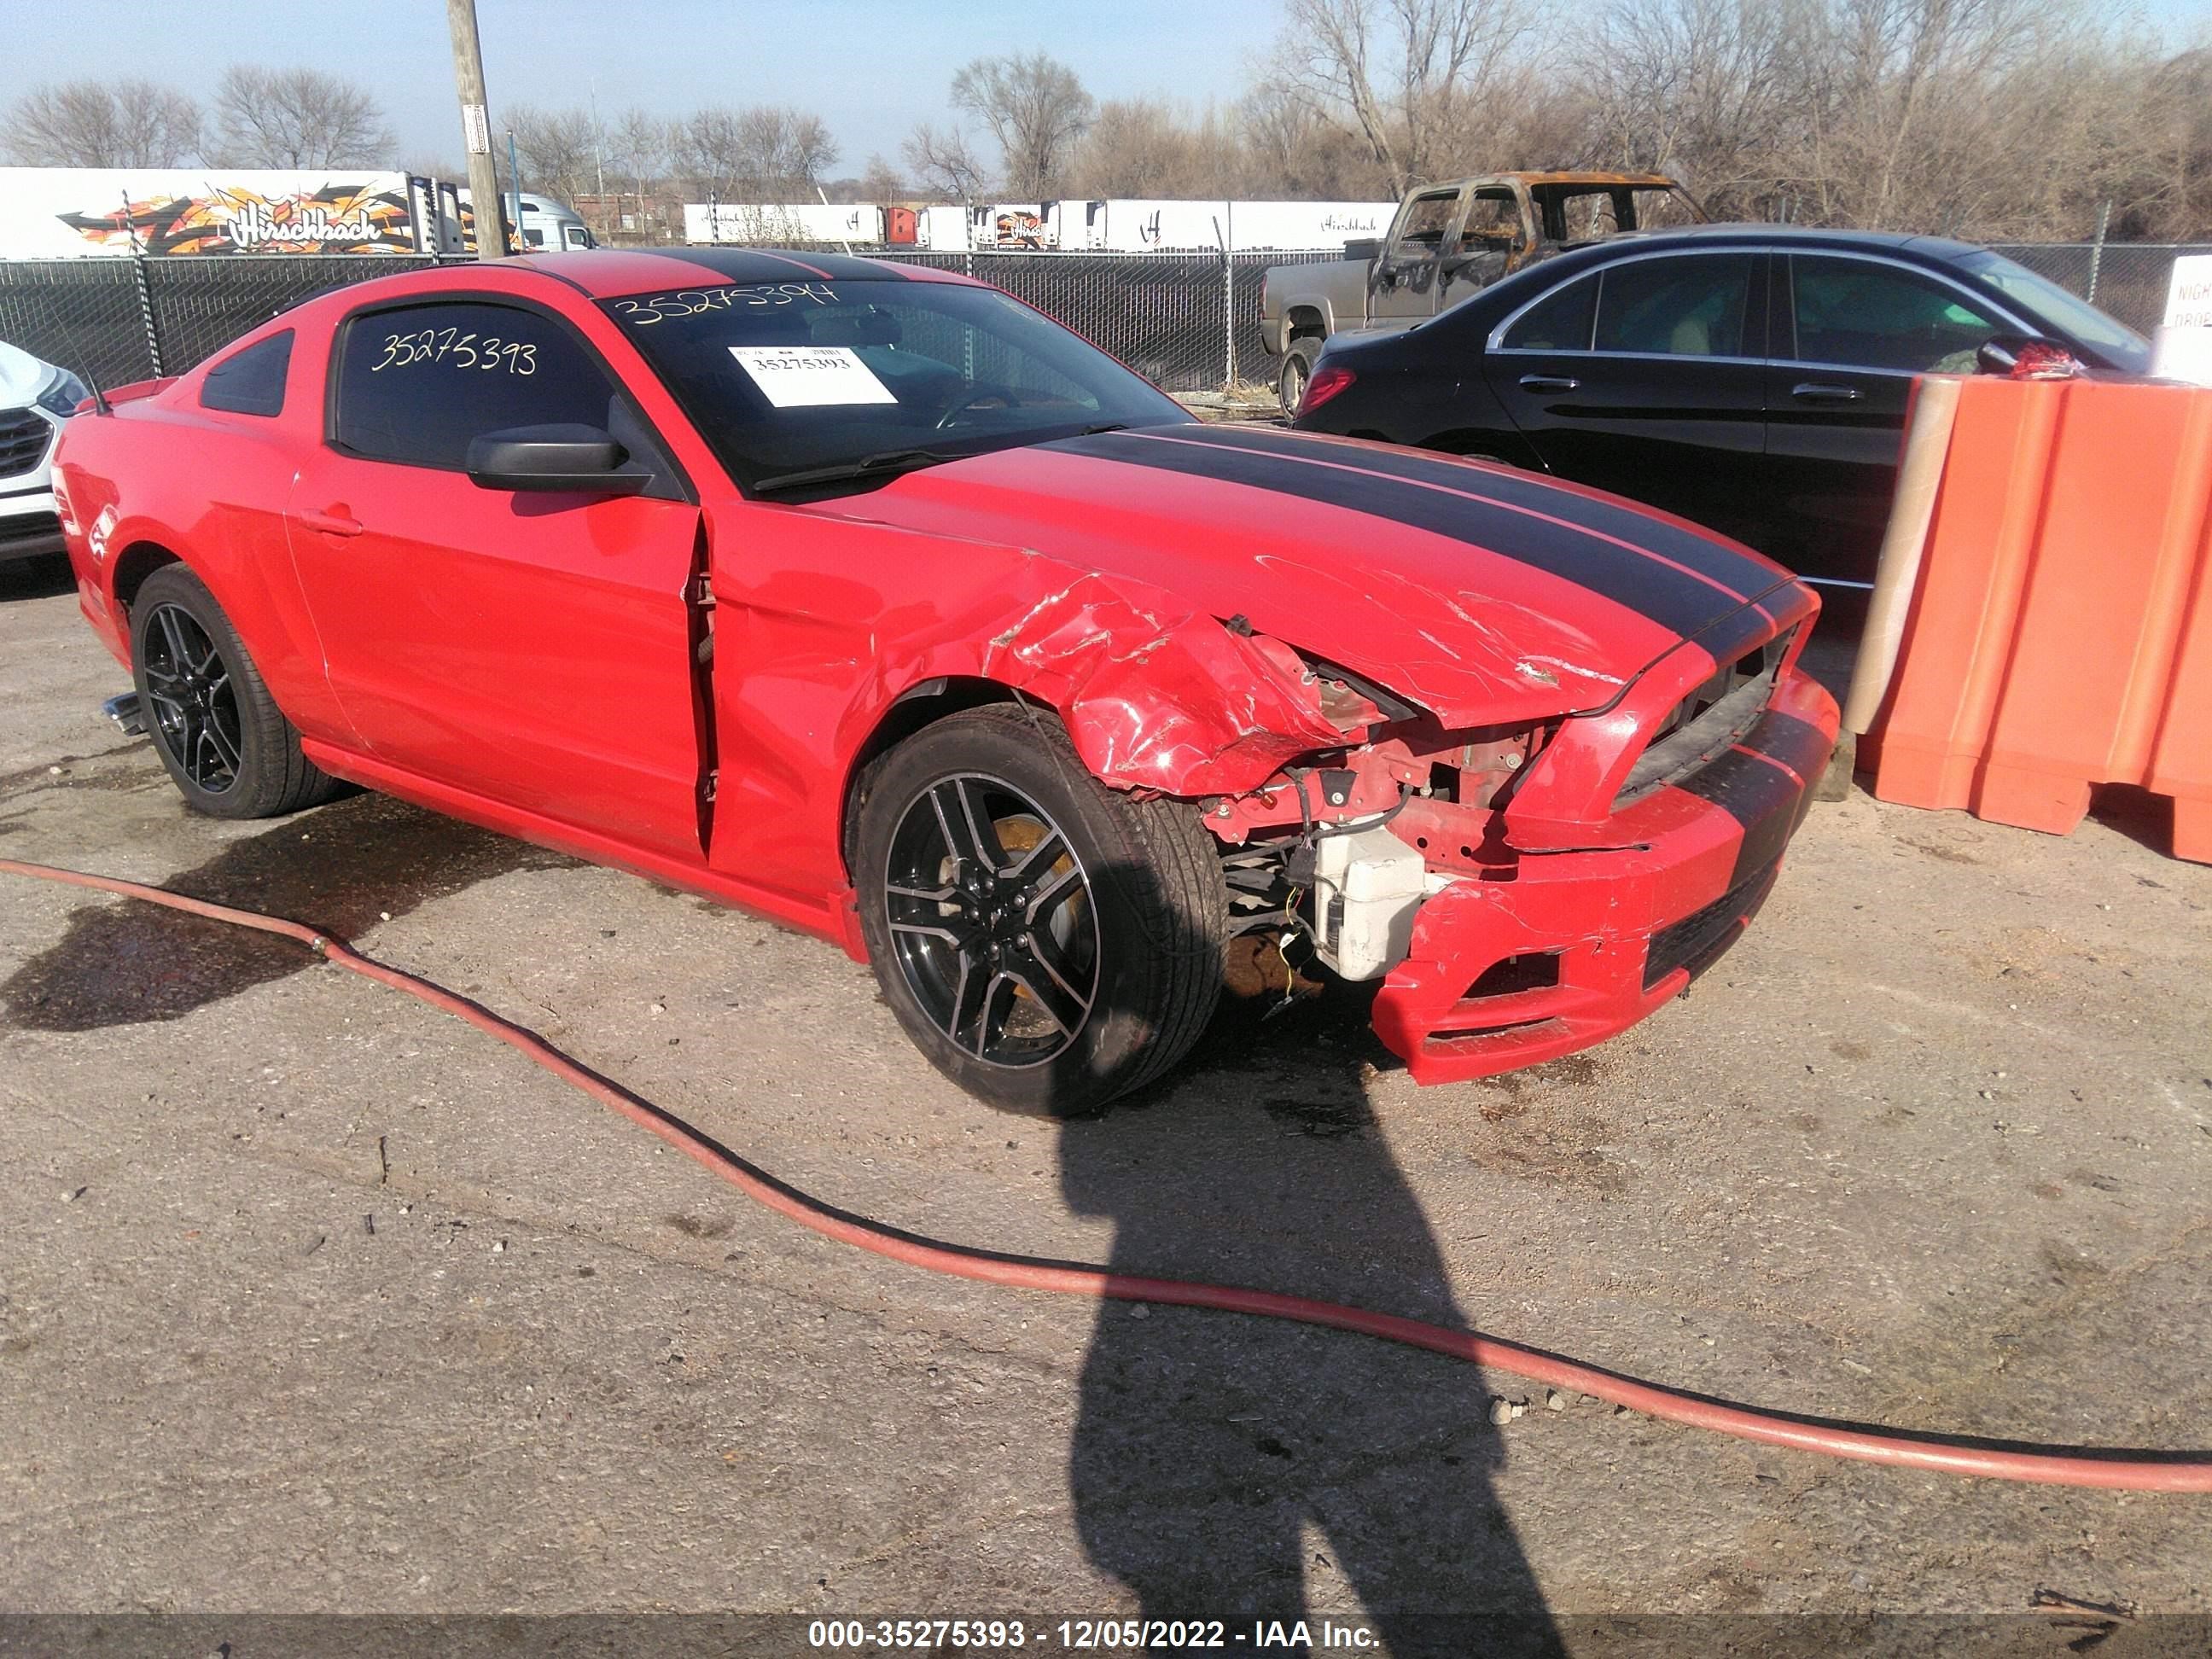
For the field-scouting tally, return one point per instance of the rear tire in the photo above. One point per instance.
(1296, 370)
(988, 855)
(228, 747)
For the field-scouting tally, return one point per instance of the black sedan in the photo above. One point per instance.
(1753, 378)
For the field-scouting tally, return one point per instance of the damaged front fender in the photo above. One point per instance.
(1158, 696)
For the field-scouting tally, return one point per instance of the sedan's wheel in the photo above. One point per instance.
(1297, 369)
(1048, 943)
(228, 748)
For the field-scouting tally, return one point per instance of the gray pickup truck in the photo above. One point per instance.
(1446, 242)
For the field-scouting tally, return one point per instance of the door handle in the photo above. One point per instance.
(332, 523)
(1823, 392)
(1548, 383)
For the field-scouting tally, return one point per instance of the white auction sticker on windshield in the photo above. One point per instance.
(806, 377)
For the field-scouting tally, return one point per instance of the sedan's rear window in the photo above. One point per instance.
(1560, 321)
(1677, 305)
(793, 377)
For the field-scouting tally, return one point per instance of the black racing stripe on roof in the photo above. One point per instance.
(1671, 597)
(749, 264)
(1706, 554)
(563, 278)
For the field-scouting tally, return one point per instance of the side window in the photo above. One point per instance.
(416, 383)
(1588, 215)
(1863, 315)
(1494, 223)
(1688, 307)
(575, 236)
(1427, 220)
(252, 381)
(1559, 322)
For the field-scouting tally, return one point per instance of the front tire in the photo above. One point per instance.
(228, 747)
(1296, 370)
(1048, 943)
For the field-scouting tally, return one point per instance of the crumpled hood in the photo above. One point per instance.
(1483, 593)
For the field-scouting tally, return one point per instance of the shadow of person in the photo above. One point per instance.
(1245, 1469)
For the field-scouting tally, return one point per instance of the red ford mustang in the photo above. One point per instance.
(867, 597)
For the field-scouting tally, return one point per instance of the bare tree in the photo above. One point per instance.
(765, 153)
(559, 150)
(1404, 74)
(637, 150)
(879, 181)
(1145, 147)
(945, 164)
(1712, 91)
(102, 124)
(1036, 108)
(1993, 118)
(298, 118)
(1289, 149)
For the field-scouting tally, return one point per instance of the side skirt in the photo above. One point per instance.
(824, 919)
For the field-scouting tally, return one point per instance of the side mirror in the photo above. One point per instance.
(578, 459)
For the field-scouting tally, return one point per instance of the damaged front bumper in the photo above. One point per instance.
(1546, 953)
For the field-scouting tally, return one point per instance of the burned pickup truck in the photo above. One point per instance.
(1447, 242)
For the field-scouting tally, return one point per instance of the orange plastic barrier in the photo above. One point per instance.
(2061, 633)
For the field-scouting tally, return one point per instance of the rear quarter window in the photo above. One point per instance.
(252, 381)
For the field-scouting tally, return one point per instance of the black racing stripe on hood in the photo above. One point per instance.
(1673, 599)
(746, 264)
(1706, 554)
(1761, 796)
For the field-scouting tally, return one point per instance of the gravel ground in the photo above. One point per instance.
(313, 1300)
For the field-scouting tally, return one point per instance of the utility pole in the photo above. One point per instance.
(476, 130)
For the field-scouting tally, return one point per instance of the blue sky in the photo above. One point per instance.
(870, 67)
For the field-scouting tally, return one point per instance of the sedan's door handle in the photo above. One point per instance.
(1824, 391)
(1548, 383)
(331, 524)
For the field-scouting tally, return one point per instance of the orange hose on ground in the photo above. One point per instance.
(2124, 1471)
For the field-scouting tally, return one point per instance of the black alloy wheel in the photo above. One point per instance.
(992, 921)
(193, 706)
(1048, 943)
(218, 731)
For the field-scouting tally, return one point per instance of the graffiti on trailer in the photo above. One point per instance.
(338, 218)
(1018, 229)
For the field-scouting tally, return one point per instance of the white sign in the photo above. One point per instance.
(2183, 350)
(809, 377)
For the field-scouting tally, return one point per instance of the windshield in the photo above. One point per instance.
(807, 378)
(2054, 305)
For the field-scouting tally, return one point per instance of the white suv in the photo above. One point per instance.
(35, 398)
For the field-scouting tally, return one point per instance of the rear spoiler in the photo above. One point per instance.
(134, 389)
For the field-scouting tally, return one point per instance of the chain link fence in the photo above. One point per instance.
(1188, 321)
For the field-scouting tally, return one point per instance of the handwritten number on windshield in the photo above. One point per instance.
(699, 302)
